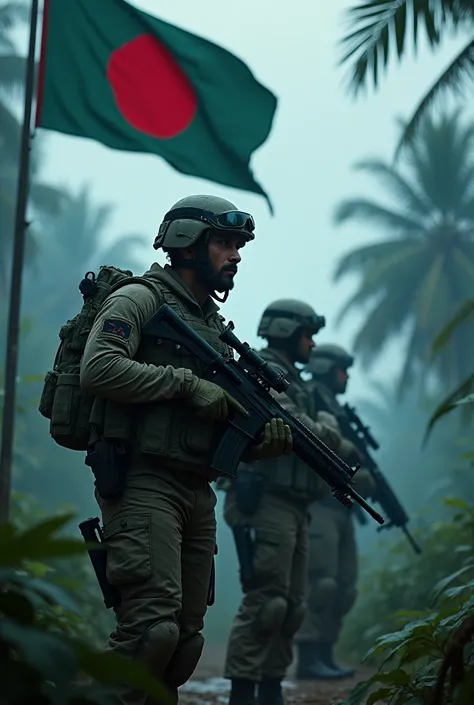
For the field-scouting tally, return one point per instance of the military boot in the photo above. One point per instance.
(242, 692)
(311, 666)
(326, 651)
(270, 692)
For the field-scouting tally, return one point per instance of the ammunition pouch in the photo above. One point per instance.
(67, 406)
(108, 460)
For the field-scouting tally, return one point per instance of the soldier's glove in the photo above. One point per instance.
(350, 453)
(277, 440)
(211, 401)
(328, 434)
(364, 483)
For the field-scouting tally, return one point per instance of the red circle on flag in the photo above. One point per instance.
(151, 90)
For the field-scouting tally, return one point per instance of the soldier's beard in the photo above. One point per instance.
(216, 280)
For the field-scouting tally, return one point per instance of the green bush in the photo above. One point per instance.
(74, 574)
(44, 657)
(401, 581)
(431, 655)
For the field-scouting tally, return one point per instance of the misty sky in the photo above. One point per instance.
(305, 166)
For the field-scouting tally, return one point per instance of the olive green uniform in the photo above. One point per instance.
(332, 557)
(272, 608)
(161, 534)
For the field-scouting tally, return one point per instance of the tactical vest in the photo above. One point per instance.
(288, 475)
(170, 430)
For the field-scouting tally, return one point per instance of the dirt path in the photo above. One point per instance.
(208, 686)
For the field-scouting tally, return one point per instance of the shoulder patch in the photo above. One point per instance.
(117, 327)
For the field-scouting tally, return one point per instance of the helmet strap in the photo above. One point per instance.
(224, 298)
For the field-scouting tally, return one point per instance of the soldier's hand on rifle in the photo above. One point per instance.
(211, 401)
(364, 483)
(327, 429)
(277, 440)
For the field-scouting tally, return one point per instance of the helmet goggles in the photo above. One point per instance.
(230, 220)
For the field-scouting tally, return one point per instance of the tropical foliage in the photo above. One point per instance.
(429, 659)
(43, 658)
(416, 278)
(379, 30)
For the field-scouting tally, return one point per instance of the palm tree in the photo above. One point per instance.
(378, 29)
(415, 280)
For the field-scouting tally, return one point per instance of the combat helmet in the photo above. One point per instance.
(284, 317)
(325, 357)
(190, 217)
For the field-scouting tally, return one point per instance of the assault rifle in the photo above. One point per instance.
(249, 380)
(360, 435)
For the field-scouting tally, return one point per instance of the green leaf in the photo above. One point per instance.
(441, 586)
(17, 607)
(46, 653)
(396, 677)
(380, 695)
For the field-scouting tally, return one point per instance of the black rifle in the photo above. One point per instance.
(249, 381)
(360, 435)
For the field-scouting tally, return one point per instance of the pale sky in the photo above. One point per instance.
(305, 165)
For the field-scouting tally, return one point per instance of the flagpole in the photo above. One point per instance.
(13, 330)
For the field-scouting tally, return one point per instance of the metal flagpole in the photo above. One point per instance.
(13, 330)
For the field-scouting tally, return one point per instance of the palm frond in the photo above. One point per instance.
(406, 378)
(384, 321)
(360, 209)
(364, 258)
(379, 27)
(11, 13)
(383, 280)
(47, 198)
(399, 187)
(452, 78)
(463, 315)
(449, 403)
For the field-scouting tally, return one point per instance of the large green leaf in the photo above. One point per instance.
(464, 314)
(450, 403)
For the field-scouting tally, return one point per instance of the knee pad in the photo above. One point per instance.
(271, 616)
(184, 661)
(322, 593)
(293, 619)
(158, 645)
(347, 599)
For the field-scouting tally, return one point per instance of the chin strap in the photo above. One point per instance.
(224, 298)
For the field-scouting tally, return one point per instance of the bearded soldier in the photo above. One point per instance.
(161, 531)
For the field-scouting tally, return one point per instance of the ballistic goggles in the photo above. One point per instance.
(230, 220)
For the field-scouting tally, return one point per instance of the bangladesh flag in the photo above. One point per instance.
(117, 75)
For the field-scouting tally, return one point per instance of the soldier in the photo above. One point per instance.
(332, 546)
(161, 532)
(267, 510)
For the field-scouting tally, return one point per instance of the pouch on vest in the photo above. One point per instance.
(63, 401)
